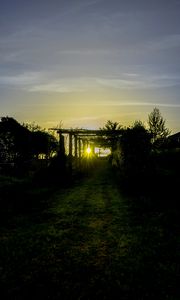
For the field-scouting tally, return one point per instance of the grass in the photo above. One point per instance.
(89, 241)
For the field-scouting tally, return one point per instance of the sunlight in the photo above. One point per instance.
(88, 150)
(102, 152)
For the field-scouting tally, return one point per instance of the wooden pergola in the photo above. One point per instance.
(80, 139)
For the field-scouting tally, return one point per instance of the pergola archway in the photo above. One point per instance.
(79, 140)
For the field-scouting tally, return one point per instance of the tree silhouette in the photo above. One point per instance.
(157, 126)
(43, 143)
(15, 140)
(22, 142)
(111, 133)
(135, 146)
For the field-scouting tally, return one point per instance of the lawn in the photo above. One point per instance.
(87, 241)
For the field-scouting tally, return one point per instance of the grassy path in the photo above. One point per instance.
(88, 245)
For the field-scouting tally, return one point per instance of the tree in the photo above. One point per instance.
(111, 133)
(32, 126)
(135, 147)
(42, 142)
(15, 140)
(157, 126)
(19, 143)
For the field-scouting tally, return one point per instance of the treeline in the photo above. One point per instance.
(132, 146)
(147, 159)
(21, 144)
(24, 141)
(30, 169)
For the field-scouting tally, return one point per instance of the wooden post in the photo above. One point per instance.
(75, 146)
(93, 148)
(84, 146)
(70, 144)
(79, 147)
(70, 152)
(61, 144)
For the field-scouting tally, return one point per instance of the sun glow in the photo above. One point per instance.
(88, 150)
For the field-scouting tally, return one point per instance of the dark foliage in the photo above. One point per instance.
(15, 140)
(55, 173)
(110, 134)
(43, 143)
(21, 145)
(157, 126)
(135, 149)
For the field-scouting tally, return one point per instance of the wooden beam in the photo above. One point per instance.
(85, 131)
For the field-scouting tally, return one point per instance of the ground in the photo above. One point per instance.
(91, 242)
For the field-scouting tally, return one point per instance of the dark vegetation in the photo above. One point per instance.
(90, 230)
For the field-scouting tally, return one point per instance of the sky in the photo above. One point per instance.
(79, 63)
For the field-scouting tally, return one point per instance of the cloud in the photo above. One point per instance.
(53, 82)
(26, 78)
(164, 42)
(89, 51)
(65, 85)
(48, 82)
(135, 103)
(127, 82)
(155, 104)
(132, 81)
(60, 87)
(131, 74)
(118, 83)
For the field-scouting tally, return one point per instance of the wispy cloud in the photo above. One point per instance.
(48, 82)
(90, 51)
(53, 82)
(61, 87)
(143, 82)
(154, 104)
(164, 42)
(21, 80)
(65, 85)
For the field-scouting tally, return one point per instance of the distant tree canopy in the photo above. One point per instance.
(135, 145)
(32, 127)
(157, 126)
(131, 147)
(18, 142)
(111, 131)
(15, 140)
(43, 143)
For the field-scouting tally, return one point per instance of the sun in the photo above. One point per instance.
(88, 150)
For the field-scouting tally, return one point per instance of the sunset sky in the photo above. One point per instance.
(82, 62)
